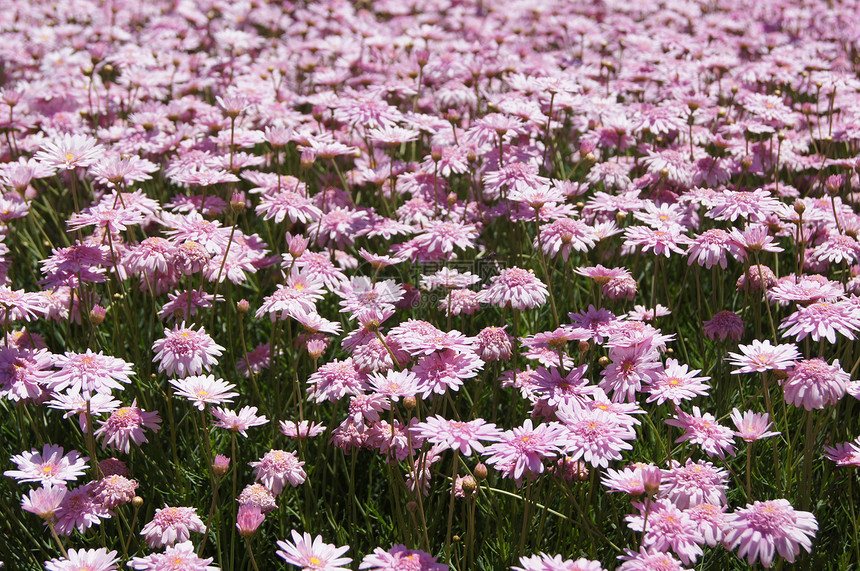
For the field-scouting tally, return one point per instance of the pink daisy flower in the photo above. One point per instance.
(114, 490)
(544, 562)
(185, 351)
(762, 529)
(334, 380)
(395, 384)
(367, 407)
(204, 389)
(70, 151)
(761, 356)
(594, 435)
(823, 319)
(694, 483)
(555, 389)
(90, 372)
(126, 425)
(629, 367)
(734, 204)
(664, 241)
(75, 403)
(523, 449)
(24, 373)
(79, 510)
(565, 235)
(629, 480)
(171, 525)
(259, 496)
(844, 454)
(444, 370)
(668, 528)
(710, 521)
(238, 421)
(456, 435)
(50, 467)
(303, 429)
(649, 559)
(813, 384)
(179, 556)
(297, 297)
(709, 249)
(517, 288)
(704, 430)
(312, 554)
(752, 426)
(836, 249)
(724, 325)
(276, 468)
(805, 289)
(494, 344)
(248, 519)
(44, 501)
(85, 560)
(399, 557)
(676, 383)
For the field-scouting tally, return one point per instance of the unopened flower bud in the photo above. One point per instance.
(422, 57)
(651, 478)
(237, 202)
(297, 244)
(137, 501)
(480, 472)
(308, 159)
(410, 402)
(221, 465)
(452, 199)
(411, 506)
(97, 315)
(799, 206)
(249, 519)
(833, 184)
(469, 485)
(584, 346)
(603, 361)
(242, 306)
(436, 155)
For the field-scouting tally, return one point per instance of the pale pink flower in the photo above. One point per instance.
(277, 468)
(704, 430)
(238, 421)
(185, 351)
(517, 288)
(44, 501)
(85, 560)
(171, 525)
(180, 556)
(761, 356)
(762, 529)
(204, 389)
(126, 425)
(312, 554)
(752, 426)
(49, 467)
(813, 384)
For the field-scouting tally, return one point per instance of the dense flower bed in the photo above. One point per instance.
(529, 285)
